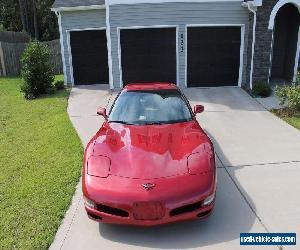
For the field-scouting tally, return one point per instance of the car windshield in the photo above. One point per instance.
(150, 107)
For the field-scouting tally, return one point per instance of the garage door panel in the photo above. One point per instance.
(89, 57)
(148, 55)
(213, 56)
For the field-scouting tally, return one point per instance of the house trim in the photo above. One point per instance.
(115, 2)
(297, 58)
(276, 8)
(77, 8)
(109, 50)
(146, 27)
(62, 48)
(273, 15)
(70, 49)
(252, 7)
(241, 66)
(271, 57)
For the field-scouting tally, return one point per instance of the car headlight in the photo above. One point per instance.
(209, 200)
(89, 203)
(98, 166)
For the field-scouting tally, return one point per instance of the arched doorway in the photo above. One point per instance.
(285, 42)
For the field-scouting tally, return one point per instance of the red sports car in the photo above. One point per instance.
(150, 163)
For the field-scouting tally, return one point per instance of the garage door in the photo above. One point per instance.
(148, 55)
(89, 57)
(213, 56)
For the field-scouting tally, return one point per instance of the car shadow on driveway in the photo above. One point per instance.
(232, 216)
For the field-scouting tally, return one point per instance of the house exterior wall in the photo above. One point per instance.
(78, 20)
(179, 14)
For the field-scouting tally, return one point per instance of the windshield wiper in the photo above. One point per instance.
(122, 122)
(153, 123)
(163, 122)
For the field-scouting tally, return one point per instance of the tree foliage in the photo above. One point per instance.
(10, 15)
(19, 15)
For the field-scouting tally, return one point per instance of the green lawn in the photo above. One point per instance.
(290, 117)
(293, 120)
(40, 165)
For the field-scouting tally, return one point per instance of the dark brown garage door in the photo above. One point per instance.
(213, 56)
(148, 55)
(89, 57)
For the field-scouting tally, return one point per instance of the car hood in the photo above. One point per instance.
(149, 151)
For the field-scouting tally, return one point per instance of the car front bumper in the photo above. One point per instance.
(99, 216)
(175, 199)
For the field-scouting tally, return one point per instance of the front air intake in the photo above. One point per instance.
(186, 209)
(93, 216)
(112, 210)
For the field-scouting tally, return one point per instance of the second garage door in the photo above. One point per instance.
(148, 55)
(213, 56)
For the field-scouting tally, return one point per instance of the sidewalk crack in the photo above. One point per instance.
(262, 164)
(72, 220)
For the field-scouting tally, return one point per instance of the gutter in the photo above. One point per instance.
(252, 7)
(77, 8)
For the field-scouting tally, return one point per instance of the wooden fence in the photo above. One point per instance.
(14, 37)
(11, 53)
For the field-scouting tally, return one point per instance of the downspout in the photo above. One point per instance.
(252, 9)
(109, 50)
(62, 50)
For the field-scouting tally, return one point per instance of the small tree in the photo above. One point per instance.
(37, 72)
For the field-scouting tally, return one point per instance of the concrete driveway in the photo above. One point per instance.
(258, 177)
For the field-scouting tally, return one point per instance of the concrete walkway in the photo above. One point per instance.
(258, 176)
(271, 102)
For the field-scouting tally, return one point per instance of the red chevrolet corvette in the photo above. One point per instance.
(150, 163)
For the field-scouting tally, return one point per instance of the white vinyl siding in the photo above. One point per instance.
(179, 14)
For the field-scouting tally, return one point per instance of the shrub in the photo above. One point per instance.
(289, 95)
(261, 89)
(59, 85)
(37, 72)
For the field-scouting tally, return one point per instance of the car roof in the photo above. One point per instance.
(150, 86)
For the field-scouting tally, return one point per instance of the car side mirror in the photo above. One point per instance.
(102, 112)
(198, 109)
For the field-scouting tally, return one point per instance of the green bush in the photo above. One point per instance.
(37, 72)
(59, 85)
(261, 89)
(289, 95)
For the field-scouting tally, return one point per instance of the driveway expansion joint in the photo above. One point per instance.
(109, 99)
(234, 111)
(79, 116)
(262, 164)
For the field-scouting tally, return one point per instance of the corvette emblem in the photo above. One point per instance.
(148, 186)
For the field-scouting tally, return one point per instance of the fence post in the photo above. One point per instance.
(2, 60)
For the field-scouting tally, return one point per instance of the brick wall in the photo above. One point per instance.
(263, 42)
